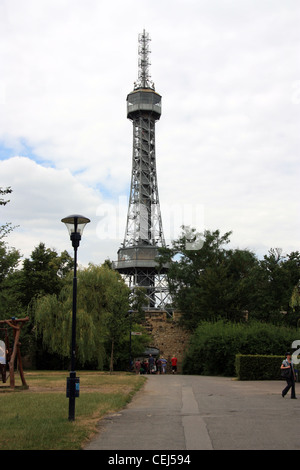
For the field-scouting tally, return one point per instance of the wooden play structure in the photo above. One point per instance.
(9, 354)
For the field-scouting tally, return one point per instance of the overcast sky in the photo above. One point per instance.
(227, 143)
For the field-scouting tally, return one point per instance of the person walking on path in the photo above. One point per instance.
(163, 365)
(138, 366)
(174, 364)
(287, 364)
(151, 364)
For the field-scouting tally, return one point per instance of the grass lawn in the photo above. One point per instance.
(37, 418)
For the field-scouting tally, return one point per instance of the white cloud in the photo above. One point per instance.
(227, 142)
(41, 198)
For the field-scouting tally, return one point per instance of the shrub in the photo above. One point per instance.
(259, 367)
(214, 345)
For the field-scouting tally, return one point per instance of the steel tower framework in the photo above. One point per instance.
(144, 232)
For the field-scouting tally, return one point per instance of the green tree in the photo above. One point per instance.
(9, 260)
(10, 298)
(206, 280)
(295, 303)
(295, 297)
(276, 277)
(43, 273)
(102, 302)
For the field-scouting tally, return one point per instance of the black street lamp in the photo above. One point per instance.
(75, 225)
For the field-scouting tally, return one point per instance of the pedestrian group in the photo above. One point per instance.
(155, 366)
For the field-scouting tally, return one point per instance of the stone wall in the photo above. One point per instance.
(167, 336)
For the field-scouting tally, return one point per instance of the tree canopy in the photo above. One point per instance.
(208, 280)
(102, 306)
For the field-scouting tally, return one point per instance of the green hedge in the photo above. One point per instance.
(258, 367)
(214, 345)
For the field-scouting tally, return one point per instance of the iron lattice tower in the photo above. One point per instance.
(144, 232)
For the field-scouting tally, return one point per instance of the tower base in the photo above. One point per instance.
(139, 268)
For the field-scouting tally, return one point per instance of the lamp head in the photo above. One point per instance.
(75, 225)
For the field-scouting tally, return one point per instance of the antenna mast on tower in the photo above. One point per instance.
(144, 78)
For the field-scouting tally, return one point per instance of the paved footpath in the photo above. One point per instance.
(180, 412)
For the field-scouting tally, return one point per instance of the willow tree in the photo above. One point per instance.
(101, 295)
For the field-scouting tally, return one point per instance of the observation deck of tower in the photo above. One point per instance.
(144, 233)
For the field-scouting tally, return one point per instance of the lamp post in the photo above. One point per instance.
(75, 225)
